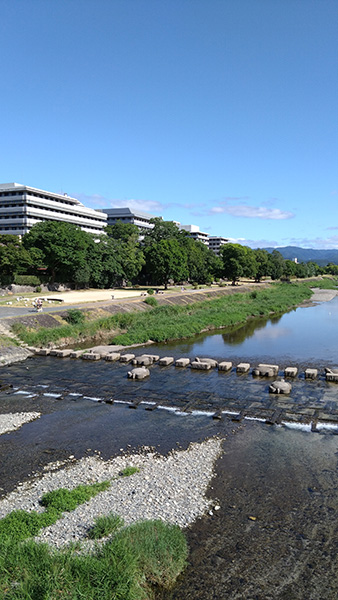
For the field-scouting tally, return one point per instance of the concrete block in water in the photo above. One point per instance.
(265, 370)
(113, 356)
(243, 367)
(280, 387)
(138, 373)
(166, 361)
(54, 352)
(331, 374)
(290, 372)
(153, 357)
(143, 360)
(75, 353)
(210, 361)
(182, 362)
(311, 373)
(91, 356)
(224, 366)
(64, 353)
(42, 351)
(201, 366)
(126, 358)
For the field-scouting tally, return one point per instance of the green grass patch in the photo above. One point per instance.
(129, 471)
(20, 525)
(164, 323)
(104, 526)
(130, 566)
(66, 500)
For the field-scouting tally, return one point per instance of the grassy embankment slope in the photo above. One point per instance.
(163, 323)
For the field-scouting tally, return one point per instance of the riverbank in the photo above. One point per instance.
(169, 320)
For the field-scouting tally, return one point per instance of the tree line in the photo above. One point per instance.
(53, 251)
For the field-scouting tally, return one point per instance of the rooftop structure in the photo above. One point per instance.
(215, 243)
(196, 234)
(127, 215)
(21, 207)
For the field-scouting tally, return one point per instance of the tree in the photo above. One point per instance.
(165, 260)
(14, 258)
(262, 262)
(238, 261)
(276, 264)
(125, 244)
(163, 230)
(63, 247)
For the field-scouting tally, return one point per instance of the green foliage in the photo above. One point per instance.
(238, 261)
(27, 280)
(75, 316)
(38, 289)
(67, 500)
(104, 526)
(129, 471)
(151, 301)
(124, 568)
(150, 291)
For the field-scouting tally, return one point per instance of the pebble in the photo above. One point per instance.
(171, 488)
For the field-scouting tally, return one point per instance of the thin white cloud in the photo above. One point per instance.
(252, 212)
(318, 243)
(97, 201)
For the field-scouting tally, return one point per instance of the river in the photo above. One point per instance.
(275, 536)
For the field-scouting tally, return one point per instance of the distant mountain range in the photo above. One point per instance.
(321, 257)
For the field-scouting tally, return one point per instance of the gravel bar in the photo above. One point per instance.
(171, 488)
(13, 421)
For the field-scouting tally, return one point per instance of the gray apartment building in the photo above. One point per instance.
(21, 207)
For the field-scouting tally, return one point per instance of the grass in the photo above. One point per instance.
(104, 526)
(20, 525)
(130, 566)
(163, 323)
(129, 471)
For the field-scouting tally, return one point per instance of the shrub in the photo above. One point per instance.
(38, 289)
(75, 316)
(150, 291)
(151, 301)
(26, 280)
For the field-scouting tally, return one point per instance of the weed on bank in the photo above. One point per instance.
(164, 323)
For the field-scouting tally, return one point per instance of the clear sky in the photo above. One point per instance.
(219, 113)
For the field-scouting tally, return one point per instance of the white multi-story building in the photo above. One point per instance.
(126, 215)
(196, 234)
(21, 207)
(215, 243)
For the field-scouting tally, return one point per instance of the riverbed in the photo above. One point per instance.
(274, 535)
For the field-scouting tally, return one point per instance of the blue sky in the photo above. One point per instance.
(219, 113)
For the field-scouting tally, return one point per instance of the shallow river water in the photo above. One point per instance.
(275, 535)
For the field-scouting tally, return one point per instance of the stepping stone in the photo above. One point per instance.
(182, 362)
(311, 373)
(243, 367)
(138, 373)
(224, 366)
(42, 351)
(64, 353)
(209, 361)
(112, 356)
(201, 366)
(275, 418)
(126, 358)
(154, 357)
(218, 415)
(290, 372)
(54, 352)
(91, 356)
(331, 374)
(143, 360)
(264, 370)
(280, 387)
(75, 353)
(166, 361)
